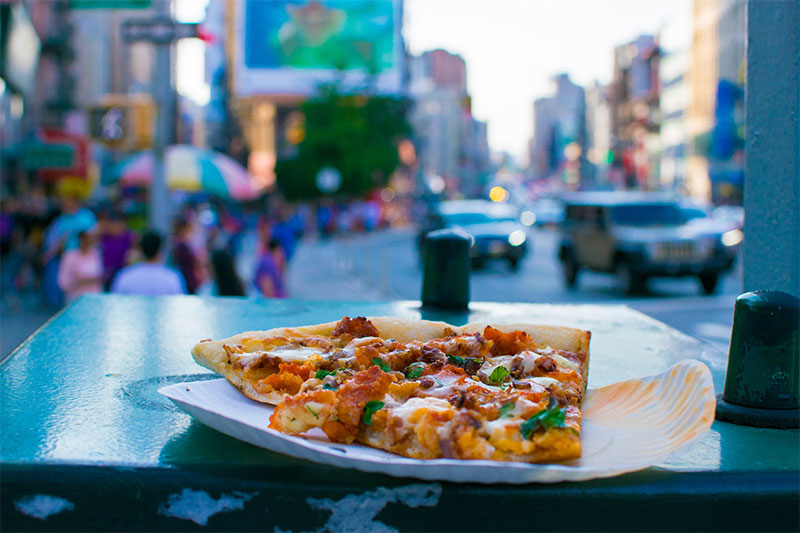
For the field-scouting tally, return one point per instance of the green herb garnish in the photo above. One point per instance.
(369, 409)
(498, 374)
(552, 417)
(313, 412)
(377, 361)
(414, 370)
(505, 410)
(328, 387)
(438, 382)
(455, 360)
(322, 374)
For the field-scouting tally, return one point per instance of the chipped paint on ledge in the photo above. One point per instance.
(198, 506)
(357, 512)
(41, 506)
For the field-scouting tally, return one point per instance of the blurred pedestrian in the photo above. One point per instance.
(149, 276)
(226, 281)
(81, 269)
(62, 235)
(11, 256)
(116, 243)
(184, 256)
(269, 276)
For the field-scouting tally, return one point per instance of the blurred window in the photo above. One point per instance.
(467, 219)
(692, 213)
(646, 214)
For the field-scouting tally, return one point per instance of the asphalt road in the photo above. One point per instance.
(386, 265)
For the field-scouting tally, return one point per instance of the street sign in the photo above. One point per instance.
(108, 124)
(39, 156)
(123, 121)
(157, 30)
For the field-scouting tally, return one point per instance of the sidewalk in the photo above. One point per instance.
(18, 321)
(327, 270)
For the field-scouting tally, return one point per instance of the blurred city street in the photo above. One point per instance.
(386, 266)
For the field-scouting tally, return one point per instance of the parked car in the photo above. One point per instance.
(547, 212)
(641, 235)
(494, 227)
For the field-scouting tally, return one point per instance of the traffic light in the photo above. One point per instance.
(123, 121)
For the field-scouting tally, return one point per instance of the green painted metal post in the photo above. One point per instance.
(772, 169)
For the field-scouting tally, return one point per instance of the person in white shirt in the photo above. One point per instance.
(149, 276)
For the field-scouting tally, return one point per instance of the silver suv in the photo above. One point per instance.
(642, 235)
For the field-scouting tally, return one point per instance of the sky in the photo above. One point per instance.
(512, 49)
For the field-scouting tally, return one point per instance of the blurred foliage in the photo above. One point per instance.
(355, 133)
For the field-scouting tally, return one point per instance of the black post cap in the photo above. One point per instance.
(762, 384)
(445, 282)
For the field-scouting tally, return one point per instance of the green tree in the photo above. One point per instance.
(355, 133)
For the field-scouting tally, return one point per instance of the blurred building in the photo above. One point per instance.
(36, 55)
(598, 132)
(221, 124)
(675, 42)
(62, 61)
(37, 95)
(715, 117)
(634, 97)
(105, 64)
(674, 103)
(558, 147)
(450, 142)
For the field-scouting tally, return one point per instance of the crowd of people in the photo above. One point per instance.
(62, 246)
(65, 249)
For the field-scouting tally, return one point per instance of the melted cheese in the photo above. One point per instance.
(563, 361)
(406, 410)
(293, 354)
(500, 425)
(544, 382)
(248, 361)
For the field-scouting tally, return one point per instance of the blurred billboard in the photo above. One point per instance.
(289, 47)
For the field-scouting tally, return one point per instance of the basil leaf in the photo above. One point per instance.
(377, 361)
(551, 417)
(498, 374)
(328, 387)
(313, 412)
(414, 370)
(455, 360)
(322, 374)
(369, 409)
(505, 410)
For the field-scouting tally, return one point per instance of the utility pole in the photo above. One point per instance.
(158, 213)
(161, 31)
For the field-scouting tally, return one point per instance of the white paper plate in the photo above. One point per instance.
(627, 426)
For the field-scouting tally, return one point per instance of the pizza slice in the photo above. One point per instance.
(416, 388)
